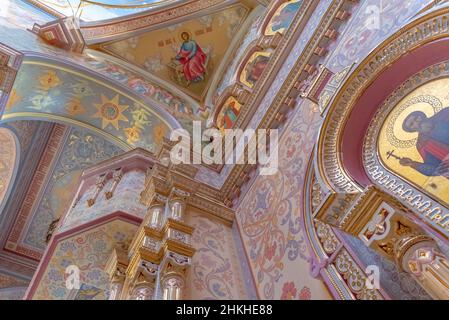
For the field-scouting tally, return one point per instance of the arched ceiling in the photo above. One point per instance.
(63, 93)
(97, 10)
(53, 156)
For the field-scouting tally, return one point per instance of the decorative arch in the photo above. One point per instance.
(9, 163)
(253, 66)
(341, 161)
(48, 90)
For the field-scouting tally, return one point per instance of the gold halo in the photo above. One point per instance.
(185, 31)
(394, 128)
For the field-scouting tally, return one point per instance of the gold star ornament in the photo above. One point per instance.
(110, 111)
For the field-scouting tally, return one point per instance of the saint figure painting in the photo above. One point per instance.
(432, 143)
(192, 58)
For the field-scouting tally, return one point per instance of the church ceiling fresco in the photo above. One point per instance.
(283, 17)
(54, 92)
(269, 218)
(254, 67)
(186, 54)
(250, 36)
(228, 114)
(79, 149)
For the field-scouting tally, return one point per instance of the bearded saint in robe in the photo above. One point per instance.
(193, 59)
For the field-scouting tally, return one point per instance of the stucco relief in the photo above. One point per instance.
(126, 199)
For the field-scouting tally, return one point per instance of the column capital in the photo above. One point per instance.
(384, 224)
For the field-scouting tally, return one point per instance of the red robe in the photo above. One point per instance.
(194, 67)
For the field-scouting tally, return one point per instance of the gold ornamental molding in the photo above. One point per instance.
(286, 97)
(418, 33)
(332, 259)
(276, 59)
(429, 208)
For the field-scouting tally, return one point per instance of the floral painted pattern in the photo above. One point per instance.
(269, 216)
(215, 272)
(289, 292)
(50, 91)
(89, 251)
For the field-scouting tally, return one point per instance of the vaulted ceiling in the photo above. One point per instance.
(156, 51)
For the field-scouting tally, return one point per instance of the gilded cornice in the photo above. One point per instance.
(331, 259)
(202, 196)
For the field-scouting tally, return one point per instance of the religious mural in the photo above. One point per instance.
(230, 72)
(184, 110)
(88, 250)
(8, 161)
(81, 149)
(254, 67)
(186, 54)
(192, 59)
(413, 141)
(283, 17)
(54, 92)
(228, 114)
(100, 9)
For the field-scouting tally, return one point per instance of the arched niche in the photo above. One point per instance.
(343, 164)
